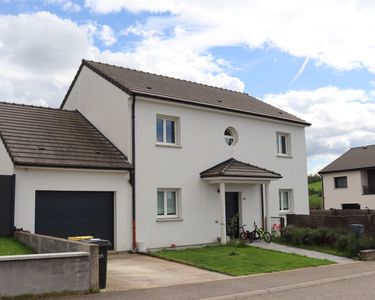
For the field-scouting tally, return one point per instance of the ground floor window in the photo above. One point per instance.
(167, 206)
(285, 200)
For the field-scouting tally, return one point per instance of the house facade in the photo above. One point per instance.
(198, 155)
(349, 181)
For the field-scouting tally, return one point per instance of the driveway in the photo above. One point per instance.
(134, 271)
(338, 281)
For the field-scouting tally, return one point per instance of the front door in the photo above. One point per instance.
(231, 211)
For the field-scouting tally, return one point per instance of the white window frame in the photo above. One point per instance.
(281, 202)
(287, 144)
(233, 137)
(165, 215)
(176, 121)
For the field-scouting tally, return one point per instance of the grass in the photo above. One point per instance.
(317, 186)
(315, 195)
(237, 261)
(324, 249)
(9, 246)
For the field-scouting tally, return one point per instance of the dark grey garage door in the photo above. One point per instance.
(64, 214)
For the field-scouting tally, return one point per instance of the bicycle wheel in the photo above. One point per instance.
(251, 237)
(243, 236)
(267, 237)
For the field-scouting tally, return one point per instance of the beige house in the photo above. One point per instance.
(349, 181)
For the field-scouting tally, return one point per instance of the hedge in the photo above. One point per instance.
(339, 239)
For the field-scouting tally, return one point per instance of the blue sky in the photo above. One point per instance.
(314, 59)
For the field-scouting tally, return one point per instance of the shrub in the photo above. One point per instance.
(287, 233)
(339, 239)
(241, 244)
(342, 243)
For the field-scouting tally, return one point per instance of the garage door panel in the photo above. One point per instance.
(63, 214)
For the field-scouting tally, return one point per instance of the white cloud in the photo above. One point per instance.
(341, 118)
(107, 36)
(65, 5)
(41, 53)
(336, 33)
(153, 55)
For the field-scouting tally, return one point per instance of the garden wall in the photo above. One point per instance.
(44, 273)
(59, 265)
(336, 219)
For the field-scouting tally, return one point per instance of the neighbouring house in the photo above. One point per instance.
(349, 181)
(137, 157)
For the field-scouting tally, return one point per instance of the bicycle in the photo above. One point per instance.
(259, 234)
(244, 234)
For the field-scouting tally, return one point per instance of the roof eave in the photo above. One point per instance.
(184, 101)
(239, 176)
(62, 166)
(130, 92)
(345, 170)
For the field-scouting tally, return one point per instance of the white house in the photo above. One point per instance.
(181, 159)
(349, 181)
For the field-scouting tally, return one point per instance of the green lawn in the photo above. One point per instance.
(316, 186)
(315, 198)
(238, 261)
(9, 246)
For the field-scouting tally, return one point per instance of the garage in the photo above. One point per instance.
(73, 213)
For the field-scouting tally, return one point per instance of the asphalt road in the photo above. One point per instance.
(358, 289)
(345, 281)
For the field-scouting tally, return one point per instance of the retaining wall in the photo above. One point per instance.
(59, 265)
(47, 244)
(44, 273)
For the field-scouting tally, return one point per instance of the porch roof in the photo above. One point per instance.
(233, 168)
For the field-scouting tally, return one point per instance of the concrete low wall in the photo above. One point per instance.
(47, 244)
(367, 255)
(44, 273)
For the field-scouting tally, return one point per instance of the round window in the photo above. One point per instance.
(230, 136)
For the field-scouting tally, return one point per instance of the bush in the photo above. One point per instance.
(339, 239)
(237, 243)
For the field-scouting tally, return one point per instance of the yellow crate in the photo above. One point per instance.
(80, 238)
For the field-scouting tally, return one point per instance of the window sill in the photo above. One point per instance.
(284, 156)
(284, 212)
(169, 219)
(168, 145)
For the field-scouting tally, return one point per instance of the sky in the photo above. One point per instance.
(312, 58)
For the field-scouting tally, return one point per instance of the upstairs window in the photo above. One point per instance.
(283, 144)
(341, 182)
(230, 136)
(166, 130)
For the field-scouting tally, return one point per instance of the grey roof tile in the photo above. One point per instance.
(172, 89)
(46, 137)
(354, 159)
(235, 168)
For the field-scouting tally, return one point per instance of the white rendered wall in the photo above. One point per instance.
(203, 146)
(104, 105)
(6, 165)
(28, 181)
(333, 197)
